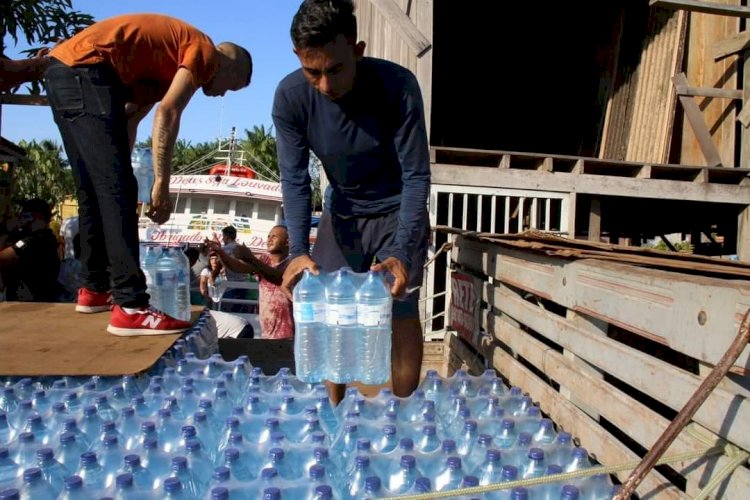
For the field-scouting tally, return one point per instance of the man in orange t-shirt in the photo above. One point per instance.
(100, 84)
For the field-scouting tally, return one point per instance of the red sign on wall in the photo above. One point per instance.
(464, 307)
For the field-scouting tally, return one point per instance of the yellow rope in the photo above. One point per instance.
(738, 457)
(553, 478)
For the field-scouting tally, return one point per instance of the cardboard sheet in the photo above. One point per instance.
(52, 339)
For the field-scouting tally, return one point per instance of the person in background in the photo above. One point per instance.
(364, 119)
(229, 240)
(208, 278)
(276, 316)
(100, 84)
(30, 263)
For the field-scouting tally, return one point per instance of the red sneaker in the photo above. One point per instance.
(90, 301)
(145, 321)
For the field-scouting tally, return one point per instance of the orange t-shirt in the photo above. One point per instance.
(145, 50)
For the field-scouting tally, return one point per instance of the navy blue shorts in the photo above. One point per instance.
(359, 242)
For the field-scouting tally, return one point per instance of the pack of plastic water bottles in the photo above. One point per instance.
(167, 272)
(342, 327)
(208, 428)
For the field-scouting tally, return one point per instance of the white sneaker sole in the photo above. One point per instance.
(92, 309)
(134, 332)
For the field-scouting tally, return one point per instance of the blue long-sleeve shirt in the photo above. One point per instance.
(372, 144)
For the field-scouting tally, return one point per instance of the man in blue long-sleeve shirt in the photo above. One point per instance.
(364, 119)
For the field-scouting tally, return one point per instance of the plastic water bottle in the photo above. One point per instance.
(534, 465)
(75, 489)
(343, 332)
(6, 432)
(142, 477)
(183, 284)
(451, 475)
(166, 271)
(148, 266)
(310, 338)
(52, 470)
(374, 305)
(403, 479)
(9, 470)
(35, 487)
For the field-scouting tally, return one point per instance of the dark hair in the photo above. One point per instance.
(37, 205)
(250, 65)
(318, 22)
(229, 231)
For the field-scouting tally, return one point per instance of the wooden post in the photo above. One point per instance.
(743, 235)
(595, 219)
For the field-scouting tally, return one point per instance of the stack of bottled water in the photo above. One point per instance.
(206, 428)
(143, 168)
(167, 271)
(343, 327)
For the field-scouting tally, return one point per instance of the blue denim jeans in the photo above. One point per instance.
(88, 104)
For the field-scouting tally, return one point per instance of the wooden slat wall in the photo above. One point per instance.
(385, 42)
(640, 115)
(567, 354)
(703, 71)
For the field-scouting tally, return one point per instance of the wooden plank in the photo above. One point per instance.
(593, 437)
(744, 115)
(659, 305)
(424, 21)
(743, 235)
(22, 99)
(633, 418)
(398, 18)
(701, 70)
(724, 413)
(587, 184)
(732, 45)
(708, 92)
(704, 7)
(695, 118)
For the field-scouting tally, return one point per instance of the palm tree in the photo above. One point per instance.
(260, 147)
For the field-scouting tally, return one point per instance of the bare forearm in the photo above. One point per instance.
(166, 127)
(14, 72)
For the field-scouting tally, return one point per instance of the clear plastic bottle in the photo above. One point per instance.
(374, 305)
(451, 475)
(183, 284)
(6, 432)
(343, 331)
(148, 266)
(53, 471)
(310, 344)
(166, 271)
(142, 477)
(191, 485)
(75, 489)
(9, 470)
(35, 487)
(402, 480)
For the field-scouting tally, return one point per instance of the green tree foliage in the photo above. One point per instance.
(43, 173)
(39, 23)
(260, 149)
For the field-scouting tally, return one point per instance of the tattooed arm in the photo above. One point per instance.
(166, 127)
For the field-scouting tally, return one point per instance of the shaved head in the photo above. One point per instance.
(240, 59)
(234, 72)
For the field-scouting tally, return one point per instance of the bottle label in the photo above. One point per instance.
(374, 315)
(309, 312)
(341, 314)
(166, 279)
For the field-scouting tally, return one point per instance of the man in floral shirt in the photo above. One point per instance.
(276, 319)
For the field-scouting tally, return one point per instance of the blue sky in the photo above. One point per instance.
(261, 26)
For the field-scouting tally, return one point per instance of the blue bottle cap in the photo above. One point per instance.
(32, 474)
(221, 473)
(519, 493)
(132, 460)
(124, 480)
(73, 483)
(509, 473)
(372, 484)
(172, 485)
(422, 485)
